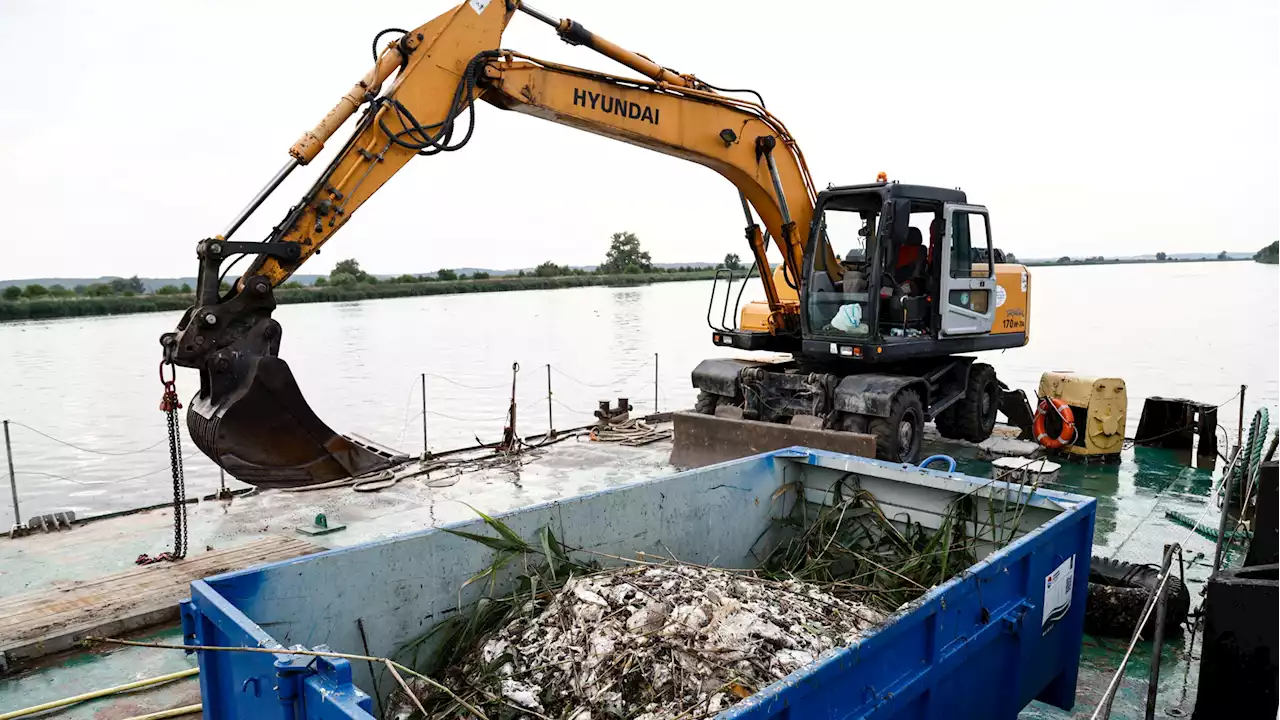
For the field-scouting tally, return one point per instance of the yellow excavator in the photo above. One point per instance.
(872, 332)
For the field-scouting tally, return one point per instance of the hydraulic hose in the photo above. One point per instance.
(173, 712)
(950, 460)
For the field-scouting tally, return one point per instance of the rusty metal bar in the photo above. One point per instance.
(1226, 505)
(1240, 421)
(511, 441)
(1157, 640)
(425, 449)
(655, 383)
(224, 493)
(13, 478)
(551, 423)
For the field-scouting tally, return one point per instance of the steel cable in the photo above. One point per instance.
(611, 384)
(464, 385)
(81, 448)
(100, 482)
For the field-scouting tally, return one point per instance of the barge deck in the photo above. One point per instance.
(1133, 498)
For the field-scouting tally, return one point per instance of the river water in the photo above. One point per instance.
(1196, 330)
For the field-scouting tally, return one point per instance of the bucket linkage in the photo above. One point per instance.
(249, 416)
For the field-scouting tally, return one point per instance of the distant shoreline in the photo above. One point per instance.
(51, 308)
(1128, 261)
(48, 308)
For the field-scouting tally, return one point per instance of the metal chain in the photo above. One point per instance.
(170, 405)
(179, 481)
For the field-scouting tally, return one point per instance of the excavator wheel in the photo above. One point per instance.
(850, 422)
(706, 403)
(974, 416)
(898, 436)
(946, 424)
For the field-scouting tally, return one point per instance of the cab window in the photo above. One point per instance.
(971, 245)
(838, 296)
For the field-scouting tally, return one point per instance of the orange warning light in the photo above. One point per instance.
(882, 177)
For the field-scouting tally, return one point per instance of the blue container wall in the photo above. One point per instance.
(976, 647)
(972, 648)
(400, 588)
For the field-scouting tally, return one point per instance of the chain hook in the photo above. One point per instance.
(169, 401)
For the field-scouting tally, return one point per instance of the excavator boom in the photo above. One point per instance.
(249, 416)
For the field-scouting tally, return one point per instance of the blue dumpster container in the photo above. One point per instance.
(984, 644)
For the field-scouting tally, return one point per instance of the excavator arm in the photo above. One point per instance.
(737, 139)
(249, 415)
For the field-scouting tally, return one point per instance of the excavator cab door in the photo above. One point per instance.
(967, 301)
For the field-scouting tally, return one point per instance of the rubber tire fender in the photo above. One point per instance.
(1118, 593)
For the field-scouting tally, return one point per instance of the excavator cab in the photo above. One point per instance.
(917, 278)
(897, 281)
(893, 272)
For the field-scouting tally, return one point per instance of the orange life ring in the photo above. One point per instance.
(1062, 410)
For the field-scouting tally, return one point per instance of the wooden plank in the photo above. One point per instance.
(144, 581)
(57, 618)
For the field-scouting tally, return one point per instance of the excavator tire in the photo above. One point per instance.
(974, 416)
(898, 436)
(706, 403)
(850, 422)
(946, 423)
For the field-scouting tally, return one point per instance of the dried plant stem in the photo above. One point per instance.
(889, 570)
(407, 690)
(391, 664)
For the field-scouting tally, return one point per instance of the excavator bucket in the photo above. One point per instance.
(255, 423)
(1016, 407)
(701, 440)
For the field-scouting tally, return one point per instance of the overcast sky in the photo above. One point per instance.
(130, 130)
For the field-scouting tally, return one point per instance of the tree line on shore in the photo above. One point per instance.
(625, 257)
(625, 264)
(1099, 260)
(1269, 254)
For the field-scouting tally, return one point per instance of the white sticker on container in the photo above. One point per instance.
(479, 5)
(1058, 588)
(1024, 282)
(1000, 295)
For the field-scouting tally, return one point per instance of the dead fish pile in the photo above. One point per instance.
(653, 642)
